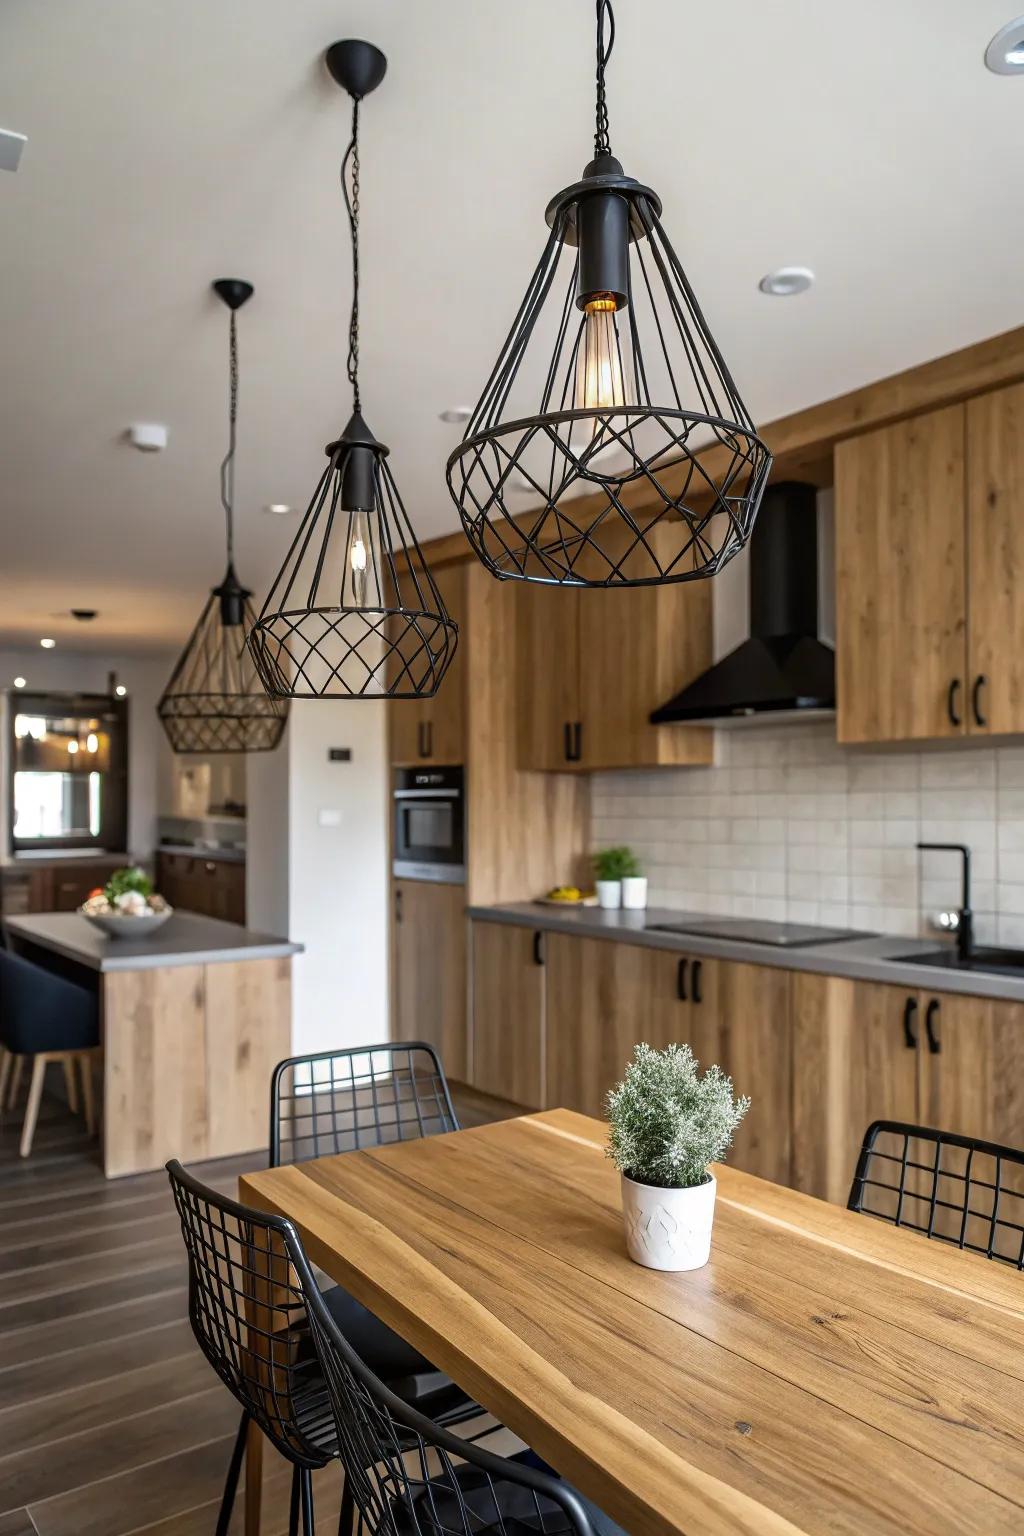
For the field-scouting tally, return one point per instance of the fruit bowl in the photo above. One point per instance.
(122, 925)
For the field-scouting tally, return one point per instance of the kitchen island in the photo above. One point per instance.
(192, 1022)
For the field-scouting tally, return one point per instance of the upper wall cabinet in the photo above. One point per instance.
(592, 664)
(434, 730)
(929, 555)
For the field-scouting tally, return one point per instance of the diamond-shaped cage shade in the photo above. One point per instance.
(354, 611)
(598, 427)
(215, 701)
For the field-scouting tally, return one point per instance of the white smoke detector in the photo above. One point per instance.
(11, 146)
(148, 436)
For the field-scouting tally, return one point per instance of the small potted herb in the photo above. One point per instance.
(611, 867)
(667, 1123)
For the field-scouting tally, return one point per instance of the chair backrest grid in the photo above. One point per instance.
(339, 1101)
(248, 1313)
(409, 1477)
(957, 1189)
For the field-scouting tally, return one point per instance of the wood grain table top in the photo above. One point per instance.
(823, 1373)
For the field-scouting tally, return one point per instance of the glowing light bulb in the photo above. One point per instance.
(92, 742)
(601, 385)
(72, 747)
(358, 557)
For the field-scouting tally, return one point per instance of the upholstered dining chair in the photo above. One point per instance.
(957, 1189)
(44, 1018)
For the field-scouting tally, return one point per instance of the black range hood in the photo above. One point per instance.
(783, 671)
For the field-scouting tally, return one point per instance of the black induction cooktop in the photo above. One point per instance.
(753, 930)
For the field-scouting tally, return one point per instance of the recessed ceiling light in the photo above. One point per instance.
(457, 415)
(785, 281)
(47, 644)
(120, 690)
(19, 682)
(1005, 53)
(279, 508)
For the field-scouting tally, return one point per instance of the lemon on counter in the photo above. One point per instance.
(565, 893)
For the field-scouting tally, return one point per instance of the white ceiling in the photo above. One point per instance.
(172, 143)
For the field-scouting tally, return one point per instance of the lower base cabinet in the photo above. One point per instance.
(429, 969)
(508, 1013)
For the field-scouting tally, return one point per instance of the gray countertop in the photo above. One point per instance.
(196, 851)
(186, 939)
(866, 959)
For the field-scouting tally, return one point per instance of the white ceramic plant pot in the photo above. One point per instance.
(669, 1228)
(609, 894)
(634, 892)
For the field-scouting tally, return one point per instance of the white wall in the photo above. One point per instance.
(326, 885)
(145, 678)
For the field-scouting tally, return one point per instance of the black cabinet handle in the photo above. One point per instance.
(577, 738)
(398, 906)
(951, 697)
(681, 980)
(696, 982)
(930, 1015)
(420, 748)
(980, 682)
(538, 948)
(430, 738)
(909, 1010)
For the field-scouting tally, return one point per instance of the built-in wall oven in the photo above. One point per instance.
(430, 825)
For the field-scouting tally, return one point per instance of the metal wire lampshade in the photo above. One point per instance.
(215, 701)
(610, 446)
(354, 611)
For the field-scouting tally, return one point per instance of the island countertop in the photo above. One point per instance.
(186, 939)
(872, 957)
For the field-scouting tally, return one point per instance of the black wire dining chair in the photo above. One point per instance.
(238, 1260)
(363, 1096)
(957, 1189)
(406, 1476)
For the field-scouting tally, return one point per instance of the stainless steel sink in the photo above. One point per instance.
(1003, 962)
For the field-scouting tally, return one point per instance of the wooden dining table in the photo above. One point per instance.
(825, 1372)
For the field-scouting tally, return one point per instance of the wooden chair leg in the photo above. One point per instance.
(19, 1062)
(88, 1102)
(35, 1093)
(6, 1062)
(70, 1083)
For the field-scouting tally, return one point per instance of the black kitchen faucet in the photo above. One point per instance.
(965, 922)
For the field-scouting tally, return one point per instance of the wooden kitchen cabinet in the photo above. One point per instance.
(434, 730)
(971, 1067)
(929, 568)
(901, 580)
(995, 536)
(429, 969)
(592, 664)
(508, 1012)
(193, 882)
(855, 1060)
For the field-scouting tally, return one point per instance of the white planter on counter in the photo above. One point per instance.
(609, 894)
(669, 1228)
(634, 892)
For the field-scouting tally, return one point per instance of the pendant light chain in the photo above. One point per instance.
(352, 205)
(602, 146)
(227, 468)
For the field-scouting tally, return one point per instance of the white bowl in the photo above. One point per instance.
(121, 925)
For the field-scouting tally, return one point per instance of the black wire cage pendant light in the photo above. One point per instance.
(215, 701)
(354, 611)
(610, 405)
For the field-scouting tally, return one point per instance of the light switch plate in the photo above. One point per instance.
(11, 146)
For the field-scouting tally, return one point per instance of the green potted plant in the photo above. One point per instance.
(611, 867)
(667, 1123)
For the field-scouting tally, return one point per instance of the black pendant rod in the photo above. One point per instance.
(602, 145)
(352, 207)
(227, 468)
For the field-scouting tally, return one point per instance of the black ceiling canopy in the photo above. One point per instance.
(354, 611)
(610, 446)
(215, 701)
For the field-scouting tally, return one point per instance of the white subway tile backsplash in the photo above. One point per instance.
(789, 825)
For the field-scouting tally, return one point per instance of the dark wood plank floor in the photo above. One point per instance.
(111, 1421)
